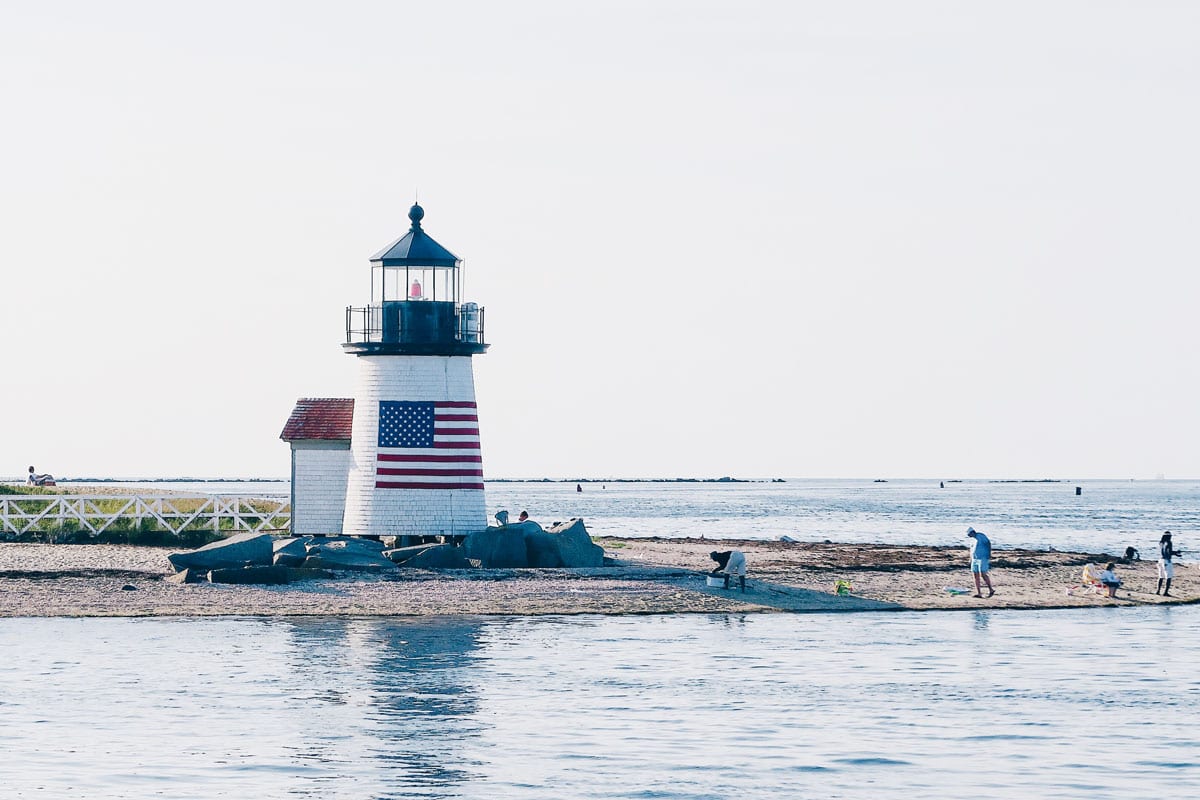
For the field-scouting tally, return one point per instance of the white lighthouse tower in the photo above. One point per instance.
(416, 467)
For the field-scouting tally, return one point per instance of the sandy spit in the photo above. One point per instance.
(650, 576)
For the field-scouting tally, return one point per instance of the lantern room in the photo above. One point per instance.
(416, 301)
(416, 268)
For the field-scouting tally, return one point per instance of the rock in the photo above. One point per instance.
(502, 546)
(306, 574)
(291, 552)
(287, 560)
(239, 550)
(187, 576)
(329, 544)
(541, 547)
(129, 587)
(348, 560)
(565, 544)
(439, 556)
(575, 546)
(255, 575)
(346, 553)
(399, 555)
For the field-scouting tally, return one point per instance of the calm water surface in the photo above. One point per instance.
(1079, 703)
(1106, 516)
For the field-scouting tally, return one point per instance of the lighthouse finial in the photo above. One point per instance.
(416, 213)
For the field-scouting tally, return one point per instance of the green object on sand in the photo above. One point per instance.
(954, 590)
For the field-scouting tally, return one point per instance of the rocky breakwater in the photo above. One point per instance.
(527, 544)
(250, 558)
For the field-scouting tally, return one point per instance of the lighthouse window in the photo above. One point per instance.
(391, 284)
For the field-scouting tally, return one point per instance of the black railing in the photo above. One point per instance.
(415, 322)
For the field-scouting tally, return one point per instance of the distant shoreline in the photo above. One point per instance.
(636, 480)
(723, 479)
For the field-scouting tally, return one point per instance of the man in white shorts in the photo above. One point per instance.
(1166, 569)
(981, 556)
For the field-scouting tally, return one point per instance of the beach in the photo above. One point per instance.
(646, 576)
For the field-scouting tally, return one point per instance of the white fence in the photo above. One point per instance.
(93, 513)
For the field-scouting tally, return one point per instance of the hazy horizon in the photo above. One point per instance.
(762, 238)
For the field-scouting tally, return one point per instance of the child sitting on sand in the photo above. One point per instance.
(1109, 580)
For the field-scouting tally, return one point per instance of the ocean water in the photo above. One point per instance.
(1093, 703)
(1096, 703)
(1107, 516)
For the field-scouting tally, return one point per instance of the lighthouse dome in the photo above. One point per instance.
(415, 248)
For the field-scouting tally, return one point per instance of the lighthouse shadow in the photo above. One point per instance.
(792, 598)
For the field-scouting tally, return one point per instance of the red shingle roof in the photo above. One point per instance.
(320, 418)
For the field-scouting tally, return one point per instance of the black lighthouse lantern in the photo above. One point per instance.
(416, 301)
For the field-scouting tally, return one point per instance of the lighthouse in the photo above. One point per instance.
(416, 467)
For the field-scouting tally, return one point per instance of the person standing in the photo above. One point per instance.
(981, 556)
(1166, 569)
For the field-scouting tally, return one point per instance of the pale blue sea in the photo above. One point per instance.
(1049, 704)
(1081, 703)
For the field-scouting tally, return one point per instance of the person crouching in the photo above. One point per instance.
(730, 562)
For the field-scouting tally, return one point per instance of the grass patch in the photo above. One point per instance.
(132, 526)
(11, 490)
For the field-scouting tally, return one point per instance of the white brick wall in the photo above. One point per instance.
(420, 512)
(320, 470)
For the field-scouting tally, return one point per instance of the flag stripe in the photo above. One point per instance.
(454, 459)
(416, 485)
(449, 473)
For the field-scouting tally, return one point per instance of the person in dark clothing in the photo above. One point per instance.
(730, 562)
(1166, 569)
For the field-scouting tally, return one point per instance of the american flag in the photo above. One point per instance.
(428, 446)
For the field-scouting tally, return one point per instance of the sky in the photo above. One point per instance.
(757, 238)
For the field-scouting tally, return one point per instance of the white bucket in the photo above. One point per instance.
(716, 581)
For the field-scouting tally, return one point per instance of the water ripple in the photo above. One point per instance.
(798, 705)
